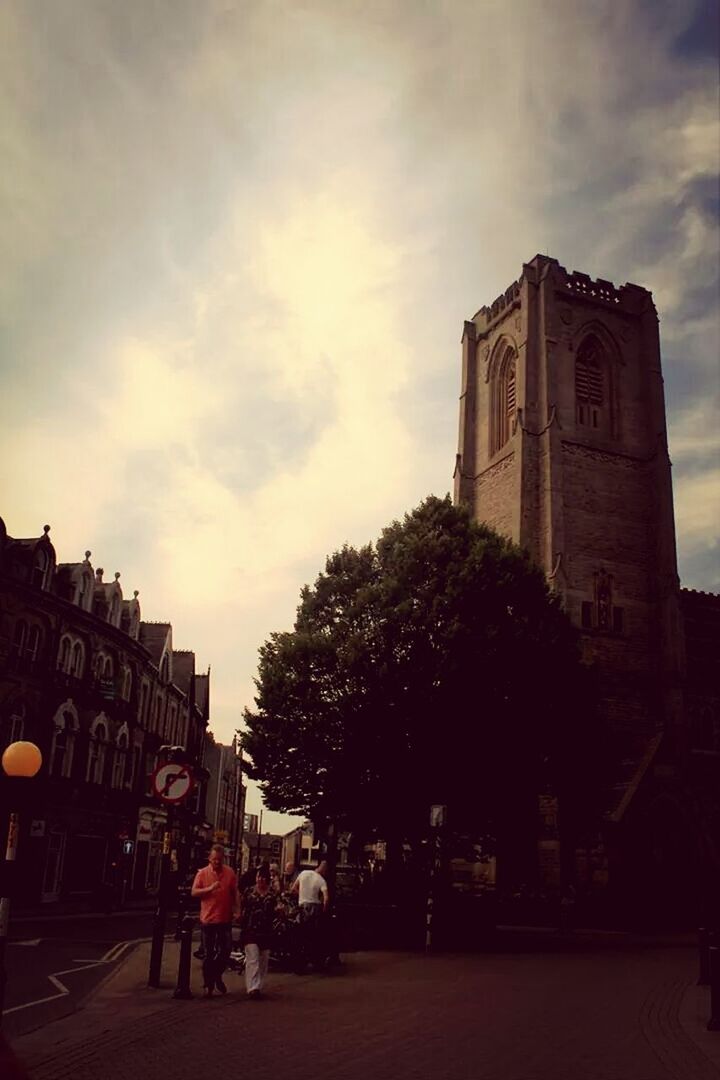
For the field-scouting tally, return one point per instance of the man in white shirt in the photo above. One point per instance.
(313, 901)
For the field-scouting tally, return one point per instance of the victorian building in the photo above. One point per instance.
(102, 693)
(225, 800)
(563, 448)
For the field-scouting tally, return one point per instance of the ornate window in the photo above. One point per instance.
(63, 742)
(120, 758)
(32, 647)
(12, 728)
(40, 568)
(78, 660)
(64, 654)
(96, 751)
(590, 389)
(19, 638)
(142, 707)
(127, 684)
(503, 412)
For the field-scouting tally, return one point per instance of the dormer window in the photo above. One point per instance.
(40, 568)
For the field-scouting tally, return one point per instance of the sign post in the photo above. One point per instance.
(172, 783)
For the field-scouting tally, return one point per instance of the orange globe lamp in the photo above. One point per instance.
(22, 759)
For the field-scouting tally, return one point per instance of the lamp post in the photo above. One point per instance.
(20, 760)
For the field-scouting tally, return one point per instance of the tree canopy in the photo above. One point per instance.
(433, 666)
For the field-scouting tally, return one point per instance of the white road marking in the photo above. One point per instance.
(62, 990)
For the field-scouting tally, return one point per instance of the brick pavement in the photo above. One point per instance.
(586, 1013)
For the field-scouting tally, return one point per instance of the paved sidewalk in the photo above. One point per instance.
(587, 1012)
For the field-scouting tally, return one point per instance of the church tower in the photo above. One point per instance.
(563, 448)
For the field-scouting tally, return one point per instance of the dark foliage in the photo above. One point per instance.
(432, 667)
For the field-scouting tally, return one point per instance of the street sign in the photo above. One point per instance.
(172, 783)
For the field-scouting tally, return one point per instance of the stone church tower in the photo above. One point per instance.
(563, 448)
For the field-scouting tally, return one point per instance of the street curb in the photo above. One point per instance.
(66, 1005)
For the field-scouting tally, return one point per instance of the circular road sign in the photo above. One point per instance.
(172, 783)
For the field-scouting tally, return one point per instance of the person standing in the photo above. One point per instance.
(313, 901)
(258, 908)
(216, 887)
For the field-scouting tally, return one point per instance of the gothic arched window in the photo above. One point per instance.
(590, 389)
(96, 752)
(504, 401)
(78, 660)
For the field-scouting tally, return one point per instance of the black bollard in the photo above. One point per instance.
(704, 953)
(182, 906)
(182, 990)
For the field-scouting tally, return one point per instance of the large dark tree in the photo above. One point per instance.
(432, 667)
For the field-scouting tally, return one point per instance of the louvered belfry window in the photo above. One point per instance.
(589, 384)
(504, 403)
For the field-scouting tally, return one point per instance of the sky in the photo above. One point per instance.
(238, 242)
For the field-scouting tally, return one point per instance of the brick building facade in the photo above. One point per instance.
(563, 448)
(100, 692)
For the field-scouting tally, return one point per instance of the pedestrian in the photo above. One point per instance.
(216, 887)
(313, 901)
(258, 907)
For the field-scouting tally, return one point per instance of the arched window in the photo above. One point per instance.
(503, 401)
(127, 684)
(107, 669)
(12, 728)
(64, 654)
(83, 591)
(40, 568)
(590, 391)
(63, 744)
(19, 637)
(32, 648)
(120, 758)
(96, 751)
(142, 707)
(165, 669)
(78, 660)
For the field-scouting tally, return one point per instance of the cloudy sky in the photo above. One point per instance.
(239, 240)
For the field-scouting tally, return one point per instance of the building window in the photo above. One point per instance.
(150, 764)
(120, 758)
(587, 615)
(165, 669)
(12, 728)
(78, 660)
(503, 401)
(142, 708)
(589, 384)
(127, 684)
(40, 569)
(32, 648)
(63, 744)
(96, 753)
(19, 638)
(617, 620)
(64, 654)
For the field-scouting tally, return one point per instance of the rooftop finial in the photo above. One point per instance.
(117, 575)
(87, 556)
(46, 529)
(99, 573)
(136, 593)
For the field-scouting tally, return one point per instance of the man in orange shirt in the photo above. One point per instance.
(216, 887)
